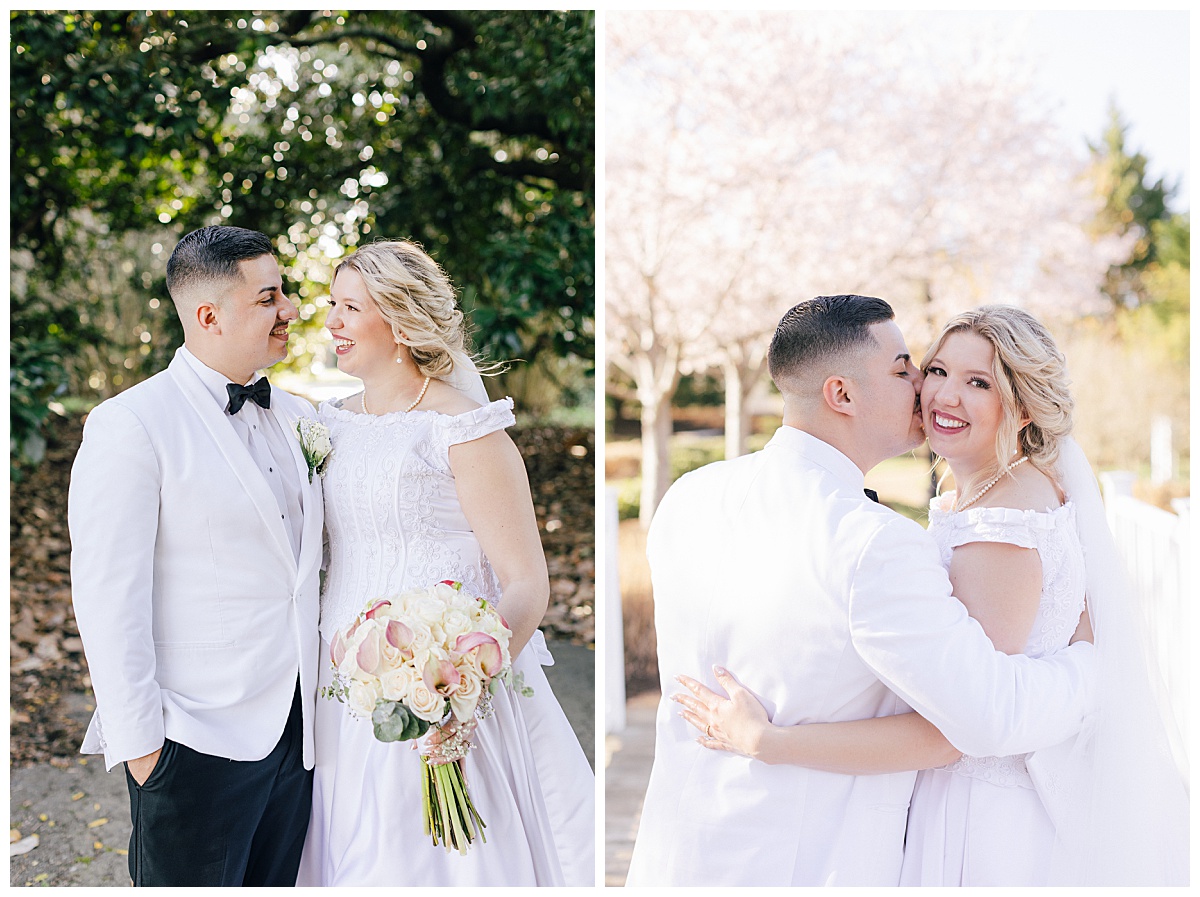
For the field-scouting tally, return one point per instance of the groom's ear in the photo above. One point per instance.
(836, 393)
(208, 317)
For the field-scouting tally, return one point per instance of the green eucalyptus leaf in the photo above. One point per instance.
(395, 722)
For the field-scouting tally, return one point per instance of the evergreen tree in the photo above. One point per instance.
(1133, 204)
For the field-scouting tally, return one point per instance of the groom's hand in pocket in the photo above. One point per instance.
(142, 767)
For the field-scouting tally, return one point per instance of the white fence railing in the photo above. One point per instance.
(1155, 546)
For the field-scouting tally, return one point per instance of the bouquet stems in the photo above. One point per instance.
(450, 815)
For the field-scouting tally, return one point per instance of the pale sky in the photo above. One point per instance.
(1139, 58)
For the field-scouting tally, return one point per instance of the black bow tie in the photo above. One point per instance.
(259, 392)
(871, 494)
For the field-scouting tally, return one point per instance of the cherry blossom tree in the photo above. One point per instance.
(694, 191)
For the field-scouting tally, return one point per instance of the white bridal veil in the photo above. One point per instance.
(1117, 792)
(466, 377)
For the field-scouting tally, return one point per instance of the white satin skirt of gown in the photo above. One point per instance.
(526, 774)
(964, 831)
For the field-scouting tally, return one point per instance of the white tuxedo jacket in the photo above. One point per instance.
(829, 607)
(196, 616)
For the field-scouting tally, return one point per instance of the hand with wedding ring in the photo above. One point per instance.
(450, 742)
(736, 723)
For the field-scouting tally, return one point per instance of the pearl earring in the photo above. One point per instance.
(399, 361)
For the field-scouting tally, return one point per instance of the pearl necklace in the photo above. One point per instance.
(416, 401)
(992, 482)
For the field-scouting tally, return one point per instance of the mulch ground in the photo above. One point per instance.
(50, 692)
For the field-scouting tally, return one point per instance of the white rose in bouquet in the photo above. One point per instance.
(363, 696)
(455, 623)
(465, 698)
(425, 702)
(398, 683)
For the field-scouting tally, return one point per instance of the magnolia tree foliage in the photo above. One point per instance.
(471, 132)
(755, 161)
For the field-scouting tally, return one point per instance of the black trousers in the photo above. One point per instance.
(204, 820)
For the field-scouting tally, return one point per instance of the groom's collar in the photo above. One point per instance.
(820, 453)
(214, 381)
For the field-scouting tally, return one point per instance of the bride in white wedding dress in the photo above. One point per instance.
(1024, 539)
(423, 485)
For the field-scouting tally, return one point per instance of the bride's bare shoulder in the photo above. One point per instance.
(445, 399)
(1026, 488)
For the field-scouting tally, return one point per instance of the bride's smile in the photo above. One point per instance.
(961, 407)
(946, 422)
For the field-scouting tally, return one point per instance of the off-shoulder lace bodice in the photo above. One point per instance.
(392, 514)
(1054, 536)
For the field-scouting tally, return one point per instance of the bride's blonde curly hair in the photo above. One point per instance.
(416, 298)
(1031, 377)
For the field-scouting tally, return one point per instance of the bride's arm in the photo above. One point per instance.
(999, 584)
(856, 747)
(493, 489)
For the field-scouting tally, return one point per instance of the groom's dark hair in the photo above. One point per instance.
(823, 328)
(213, 253)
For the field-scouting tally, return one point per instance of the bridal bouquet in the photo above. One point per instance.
(427, 658)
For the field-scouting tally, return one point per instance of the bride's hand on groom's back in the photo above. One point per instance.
(736, 723)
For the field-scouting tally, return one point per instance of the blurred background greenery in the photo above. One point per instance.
(469, 132)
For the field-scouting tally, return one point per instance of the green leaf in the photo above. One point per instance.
(395, 722)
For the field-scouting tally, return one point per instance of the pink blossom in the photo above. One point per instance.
(337, 651)
(369, 653)
(440, 676)
(400, 637)
(383, 602)
(486, 649)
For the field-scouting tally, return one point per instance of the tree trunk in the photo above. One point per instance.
(738, 384)
(744, 364)
(656, 454)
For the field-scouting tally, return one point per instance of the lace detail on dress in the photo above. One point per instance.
(1054, 536)
(1007, 772)
(392, 515)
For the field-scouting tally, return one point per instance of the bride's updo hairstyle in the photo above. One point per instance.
(1031, 377)
(416, 298)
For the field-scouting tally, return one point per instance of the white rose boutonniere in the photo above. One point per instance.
(316, 445)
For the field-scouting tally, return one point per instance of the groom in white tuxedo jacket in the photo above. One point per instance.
(830, 607)
(196, 546)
